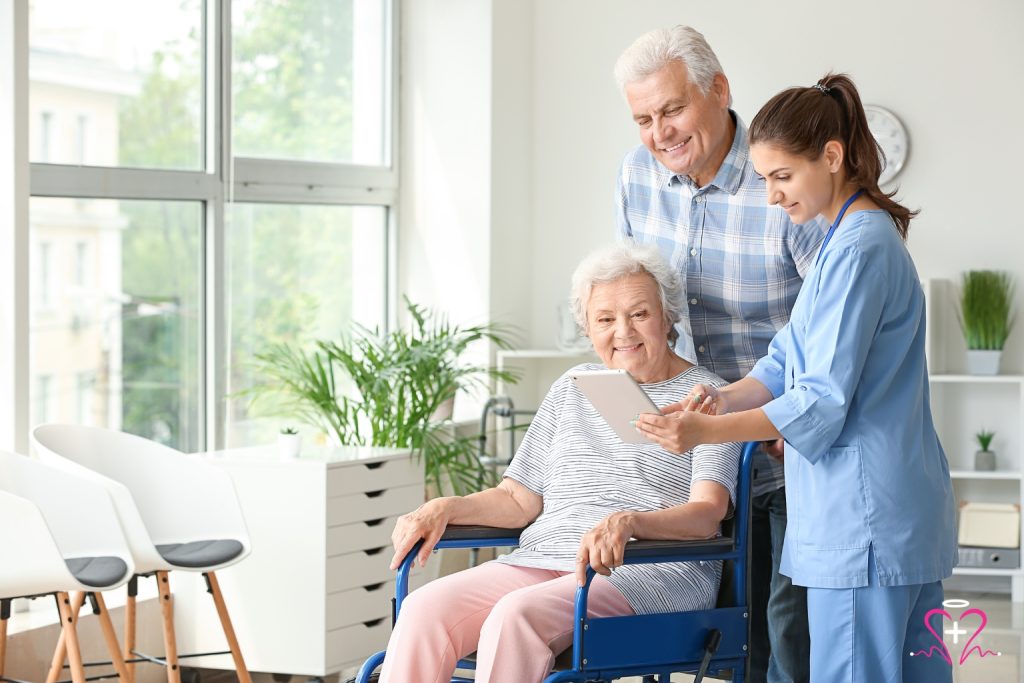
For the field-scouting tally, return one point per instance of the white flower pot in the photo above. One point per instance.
(983, 362)
(289, 445)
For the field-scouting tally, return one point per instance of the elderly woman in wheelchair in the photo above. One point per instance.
(581, 493)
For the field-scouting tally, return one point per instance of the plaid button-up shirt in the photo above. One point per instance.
(742, 261)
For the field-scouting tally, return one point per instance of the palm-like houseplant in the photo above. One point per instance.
(986, 301)
(388, 390)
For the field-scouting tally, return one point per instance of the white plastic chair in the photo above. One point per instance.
(59, 533)
(178, 513)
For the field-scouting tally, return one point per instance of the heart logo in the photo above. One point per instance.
(969, 647)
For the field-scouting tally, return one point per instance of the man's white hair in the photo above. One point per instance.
(652, 51)
(611, 263)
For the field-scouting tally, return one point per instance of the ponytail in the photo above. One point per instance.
(802, 120)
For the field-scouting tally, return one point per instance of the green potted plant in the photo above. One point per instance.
(986, 300)
(984, 460)
(387, 390)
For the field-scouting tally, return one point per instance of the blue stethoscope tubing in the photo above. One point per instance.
(839, 219)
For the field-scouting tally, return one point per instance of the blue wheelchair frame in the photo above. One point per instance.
(649, 645)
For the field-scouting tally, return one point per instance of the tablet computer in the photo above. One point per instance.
(618, 398)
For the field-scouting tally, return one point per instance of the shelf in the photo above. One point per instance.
(995, 474)
(976, 379)
(983, 571)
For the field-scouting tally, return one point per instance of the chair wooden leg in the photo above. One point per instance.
(129, 627)
(112, 645)
(5, 614)
(60, 652)
(68, 625)
(170, 645)
(229, 631)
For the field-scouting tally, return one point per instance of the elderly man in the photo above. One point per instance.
(691, 189)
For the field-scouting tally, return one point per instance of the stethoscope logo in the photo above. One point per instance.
(969, 647)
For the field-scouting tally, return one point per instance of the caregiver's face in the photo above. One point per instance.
(686, 130)
(627, 326)
(801, 186)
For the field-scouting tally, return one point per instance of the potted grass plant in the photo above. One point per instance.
(984, 460)
(986, 300)
(389, 390)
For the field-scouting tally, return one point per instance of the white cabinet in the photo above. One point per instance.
(962, 405)
(314, 596)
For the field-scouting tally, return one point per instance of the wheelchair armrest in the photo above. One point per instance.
(472, 536)
(462, 532)
(647, 552)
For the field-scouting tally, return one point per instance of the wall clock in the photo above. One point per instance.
(891, 136)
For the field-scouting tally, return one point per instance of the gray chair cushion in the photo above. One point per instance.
(98, 572)
(200, 554)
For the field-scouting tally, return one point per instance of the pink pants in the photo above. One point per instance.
(516, 618)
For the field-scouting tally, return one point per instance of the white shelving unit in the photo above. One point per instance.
(962, 405)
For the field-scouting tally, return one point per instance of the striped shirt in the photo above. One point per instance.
(742, 261)
(584, 472)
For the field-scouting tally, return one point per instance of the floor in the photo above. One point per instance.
(1001, 639)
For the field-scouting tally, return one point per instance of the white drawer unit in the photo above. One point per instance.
(314, 597)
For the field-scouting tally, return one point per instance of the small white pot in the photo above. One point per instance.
(983, 362)
(289, 445)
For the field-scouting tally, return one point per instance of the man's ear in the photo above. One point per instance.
(834, 155)
(720, 89)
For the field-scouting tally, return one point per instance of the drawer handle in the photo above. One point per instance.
(375, 551)
(374, 494)
(373, 465)
(373, 588)
(374, 522)
(373, 622)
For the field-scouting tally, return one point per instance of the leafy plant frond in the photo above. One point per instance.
(984, 439)
(378, 389)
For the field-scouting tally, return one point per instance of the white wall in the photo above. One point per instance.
(950, 72)
(513, 130)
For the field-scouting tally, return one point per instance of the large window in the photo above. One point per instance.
(208, 178)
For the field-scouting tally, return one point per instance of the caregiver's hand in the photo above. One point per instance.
(603, 546)
(428, 522)
(703, 398)
(677, 431)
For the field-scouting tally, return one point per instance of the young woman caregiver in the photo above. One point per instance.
(870, 503)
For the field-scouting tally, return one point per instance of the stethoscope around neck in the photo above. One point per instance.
(839, 219)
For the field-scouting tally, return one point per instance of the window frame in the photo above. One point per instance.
(223, 180)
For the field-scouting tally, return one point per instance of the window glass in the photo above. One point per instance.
(116, 82)
(122, 347)
(309, 80)
(295, 273)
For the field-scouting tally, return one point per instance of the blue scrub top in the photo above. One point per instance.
(864, 467)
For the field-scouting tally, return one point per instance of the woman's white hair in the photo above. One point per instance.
(652, 51)
(611, 263)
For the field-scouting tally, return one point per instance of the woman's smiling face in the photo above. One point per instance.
(626, 323)
(801, 186)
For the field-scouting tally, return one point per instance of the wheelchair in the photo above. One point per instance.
(652, 646)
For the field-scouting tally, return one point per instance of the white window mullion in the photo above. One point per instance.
(14, 251)
(94, 182)
(218, 155)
